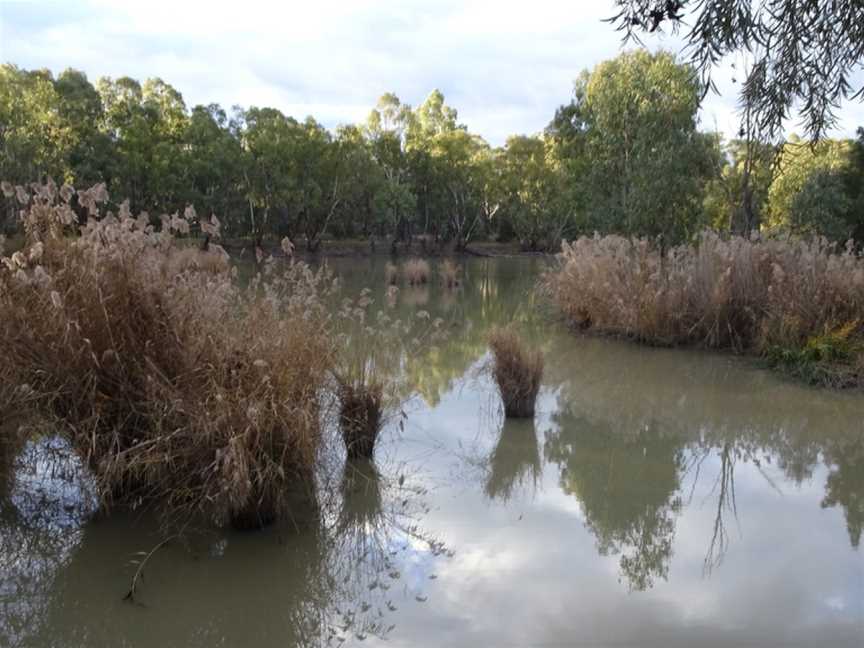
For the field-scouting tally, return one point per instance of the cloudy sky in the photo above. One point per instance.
(504, 66)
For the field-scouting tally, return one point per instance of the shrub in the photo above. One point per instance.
(178, 388)
(749, 295)
(517, 371)
(449, 273)
(416, 272)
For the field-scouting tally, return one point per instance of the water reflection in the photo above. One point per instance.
(514, 464)
(637, 437)
(337, 578)
(661, 498)
(628, 485)
(844, 486)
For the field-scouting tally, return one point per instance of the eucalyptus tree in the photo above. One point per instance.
(646, 161)
(815, 190)
(361, 180)
(317, 169)
(266, 135)
(146, 125)
(534, 191)
(395, 201)
(90, 152)
(213, 164)
(736, 196)
(34, 137)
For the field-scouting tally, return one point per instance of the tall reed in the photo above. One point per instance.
(368, 371)
(449, 273)
(178, 388)
(416, 272)
(751, 295)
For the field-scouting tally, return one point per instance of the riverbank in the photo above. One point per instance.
(381, 248)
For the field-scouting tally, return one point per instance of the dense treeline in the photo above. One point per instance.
(623, 156)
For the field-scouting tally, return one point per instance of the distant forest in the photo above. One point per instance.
(623, 155)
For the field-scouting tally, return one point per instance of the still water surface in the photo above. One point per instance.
(660, 498)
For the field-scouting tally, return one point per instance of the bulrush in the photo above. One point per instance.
(517, 371)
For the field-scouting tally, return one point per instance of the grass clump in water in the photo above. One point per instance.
(391, 274)
(368, 370)
(416, 272)
(449, 273)
(517, 371)
(177, 387)
(361, 416)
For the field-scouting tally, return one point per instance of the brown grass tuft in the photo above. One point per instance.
(361, 416)
(449, 273)
(517, 371)
(391, 274)
(416, 272)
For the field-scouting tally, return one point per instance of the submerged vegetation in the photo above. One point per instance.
(517, 371)
(799, 303)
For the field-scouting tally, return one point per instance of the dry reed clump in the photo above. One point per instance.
(391, 274)
(178, 388)
(361, 415)
(750, 295)
(214, 260)
(416, 272)
(517, 371)
(368, 367)
(449, 273)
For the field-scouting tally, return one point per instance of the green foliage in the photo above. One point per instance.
(829, 358)
(635, 117)
(804, 53)
(535, 192)
(623, 157)
(814, 191)
(746, 173)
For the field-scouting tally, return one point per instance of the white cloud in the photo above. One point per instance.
(504, 66)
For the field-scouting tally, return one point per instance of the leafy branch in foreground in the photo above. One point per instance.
(802, 51)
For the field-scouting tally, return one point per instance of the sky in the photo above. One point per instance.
(505, 66)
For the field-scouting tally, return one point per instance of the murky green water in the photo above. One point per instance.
(660, 498)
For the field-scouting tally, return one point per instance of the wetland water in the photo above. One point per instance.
(660, 498)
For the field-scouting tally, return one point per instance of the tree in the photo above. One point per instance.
(803, 52)
(645, 162)
(534, 192)
(736, 197)
(813, 192)
(90, 153)
(34, 138)
(395, 202)
(214, 164)
(266, 139)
